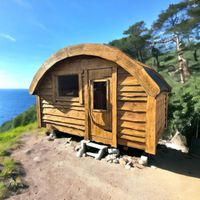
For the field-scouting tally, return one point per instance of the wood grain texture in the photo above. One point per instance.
(69, 130)
(138, 145)
(86, 100)
(132, 66)
(151, 126)
(38, 110)
(114, 106)
(137, 110)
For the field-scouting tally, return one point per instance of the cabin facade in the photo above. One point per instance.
(99, 93)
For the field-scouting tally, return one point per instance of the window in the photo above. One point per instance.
(68, 86)
(99, 95)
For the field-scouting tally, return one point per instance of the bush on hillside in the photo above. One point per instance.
(23, 119)
(184, 109)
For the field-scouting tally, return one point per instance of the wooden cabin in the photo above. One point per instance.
(99, 93)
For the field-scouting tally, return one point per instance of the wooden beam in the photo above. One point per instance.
(114, 106)
(132, 66)
(38, 109)
(86, 102)
(151, 126)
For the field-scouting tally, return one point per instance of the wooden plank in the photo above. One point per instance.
(127, 88)
(132, 94)
(131, 132)
(132, 125)
(86, 93)
(68, 130)
(64, 124)
(62, 103)
(114, 107)
(122, 71)
(132, 106)
(47, 98)
(128, 143)
(64, 107)
(151, 126)
(80, 89)
(64, 113)
(131, 138)
(63, 119)
(127, 80)
(105, 52)
(38, 110)
(46, 87)
(132, 98)
(101, 139)
(45, 92)
(132, 116)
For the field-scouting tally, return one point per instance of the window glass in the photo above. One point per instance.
(99, 95)
(68, 86)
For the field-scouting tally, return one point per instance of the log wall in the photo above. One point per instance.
(139, 123)
(64, 115)
(131, 107)
(161, 114)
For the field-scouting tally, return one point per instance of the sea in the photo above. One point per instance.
(13, 102)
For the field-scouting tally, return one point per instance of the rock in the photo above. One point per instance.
(50, 137)
(127, 158)
(77, 148)
(178, 142)
(36, 159)
(130, 163)
(28, 151)
(127, 166)
(143, 160)
(153, 167)
(68, 140)
(122, 162)
(139, 166)
(82, 150)
(110, 157)
(114, 151)
(116, 161)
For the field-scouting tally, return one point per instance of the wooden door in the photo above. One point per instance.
(100, 105)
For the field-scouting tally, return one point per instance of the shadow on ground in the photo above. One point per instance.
(176, 161)
(165, 158)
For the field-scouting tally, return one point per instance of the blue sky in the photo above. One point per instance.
(31, 30)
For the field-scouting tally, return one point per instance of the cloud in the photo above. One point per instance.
(41, 26)
(8, 37)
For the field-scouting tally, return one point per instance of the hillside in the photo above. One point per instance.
(23, 119)
(11, 171)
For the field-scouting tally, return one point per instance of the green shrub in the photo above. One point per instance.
(184, 109)
(23, 119)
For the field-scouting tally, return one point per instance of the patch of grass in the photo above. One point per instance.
(3, 190)
(9, 166)
(10, 138)
(10, 176)
(23, 119)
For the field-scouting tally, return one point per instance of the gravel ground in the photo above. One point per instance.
(53, 172)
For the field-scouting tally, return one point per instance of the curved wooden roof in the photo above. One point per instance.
(152, 82)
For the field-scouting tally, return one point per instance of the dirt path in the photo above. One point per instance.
(53, 172)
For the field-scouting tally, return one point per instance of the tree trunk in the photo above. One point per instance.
(183, 66)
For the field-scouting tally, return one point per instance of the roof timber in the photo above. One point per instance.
(152, 82)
